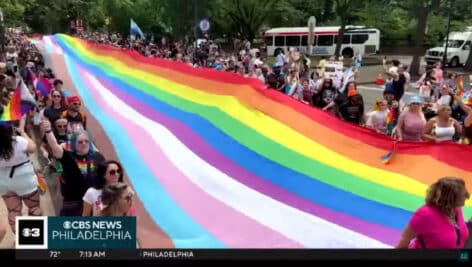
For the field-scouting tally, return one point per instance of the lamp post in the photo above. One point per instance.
(447, 34)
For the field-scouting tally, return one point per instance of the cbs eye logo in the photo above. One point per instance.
(31, 232)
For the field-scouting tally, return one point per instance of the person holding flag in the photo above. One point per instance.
(18, 180)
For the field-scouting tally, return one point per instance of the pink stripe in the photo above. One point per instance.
(195, 201)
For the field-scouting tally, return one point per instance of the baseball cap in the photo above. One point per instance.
(415, 100)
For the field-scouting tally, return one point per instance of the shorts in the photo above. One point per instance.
(23, 182)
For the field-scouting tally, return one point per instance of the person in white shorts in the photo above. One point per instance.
(18, 182)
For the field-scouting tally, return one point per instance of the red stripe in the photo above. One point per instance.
(355, 132)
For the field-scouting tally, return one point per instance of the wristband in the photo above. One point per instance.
(49, 131)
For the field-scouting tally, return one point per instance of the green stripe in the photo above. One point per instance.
(272, 150)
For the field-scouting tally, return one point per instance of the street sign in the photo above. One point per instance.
(311, 34)
(204, 25)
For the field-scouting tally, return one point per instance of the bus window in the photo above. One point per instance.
(293, 40)
(346, 39)
(304, 40)
(359, 38)
(279, 41)
(269, 40)
(325, 40)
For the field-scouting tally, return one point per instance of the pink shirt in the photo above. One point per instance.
(436, 230)
(413, 126)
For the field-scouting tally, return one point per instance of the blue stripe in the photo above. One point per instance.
(309, 188)
(182, 229)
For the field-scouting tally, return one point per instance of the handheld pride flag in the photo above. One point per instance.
(43, 86)
(135, 30)
(459, 90)
(42, 185)
(21, 103)
(388, 157)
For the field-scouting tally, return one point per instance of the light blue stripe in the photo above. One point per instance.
(48, 45)
(182, 229)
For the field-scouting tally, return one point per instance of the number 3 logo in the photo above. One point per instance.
(33, 232)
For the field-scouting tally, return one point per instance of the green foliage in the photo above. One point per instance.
(396, 19)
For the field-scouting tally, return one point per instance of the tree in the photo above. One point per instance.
(346, 12)
(13, 11)
(420, 9)
(249, 15)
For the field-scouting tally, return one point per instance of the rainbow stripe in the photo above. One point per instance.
(220, 161)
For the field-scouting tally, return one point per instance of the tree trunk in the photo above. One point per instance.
(337, 51)
(468, 63)
(423, 13)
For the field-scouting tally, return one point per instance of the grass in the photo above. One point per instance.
(366, 61)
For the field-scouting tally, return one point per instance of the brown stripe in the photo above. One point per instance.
(150, 235)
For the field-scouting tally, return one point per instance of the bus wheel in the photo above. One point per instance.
(347, 52)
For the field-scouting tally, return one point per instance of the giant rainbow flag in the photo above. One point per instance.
(219, 161)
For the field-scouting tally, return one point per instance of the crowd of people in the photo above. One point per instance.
(437, 113)
(91, 185)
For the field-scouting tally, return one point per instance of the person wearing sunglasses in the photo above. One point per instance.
(79, 167)
(439, 224)
(110, 172)
(117, 200)
(57, 106)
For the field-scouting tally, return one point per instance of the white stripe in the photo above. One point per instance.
(50, 47)
(302, 227)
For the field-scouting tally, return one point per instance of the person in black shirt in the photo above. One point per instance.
(325, 96)
(79, 168)
(276, 80)
(353, 110)
(58, 105)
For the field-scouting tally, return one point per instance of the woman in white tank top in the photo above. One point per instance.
(442, 127)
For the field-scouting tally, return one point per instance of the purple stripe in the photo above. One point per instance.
(220, 161)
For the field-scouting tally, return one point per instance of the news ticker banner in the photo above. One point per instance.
(461, 256)
(75, 232)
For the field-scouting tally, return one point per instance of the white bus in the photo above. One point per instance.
(356, 39)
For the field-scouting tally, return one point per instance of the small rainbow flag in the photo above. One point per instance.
(21, 103)
(388, 157)
(42, 185)
(459, 90)
(391, 116)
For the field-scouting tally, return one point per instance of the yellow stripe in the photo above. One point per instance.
(269, 127)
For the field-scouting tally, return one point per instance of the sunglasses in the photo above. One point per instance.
(81, 142)
(76, 104)
(56, 96)
(114, 172)
(61, 126)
